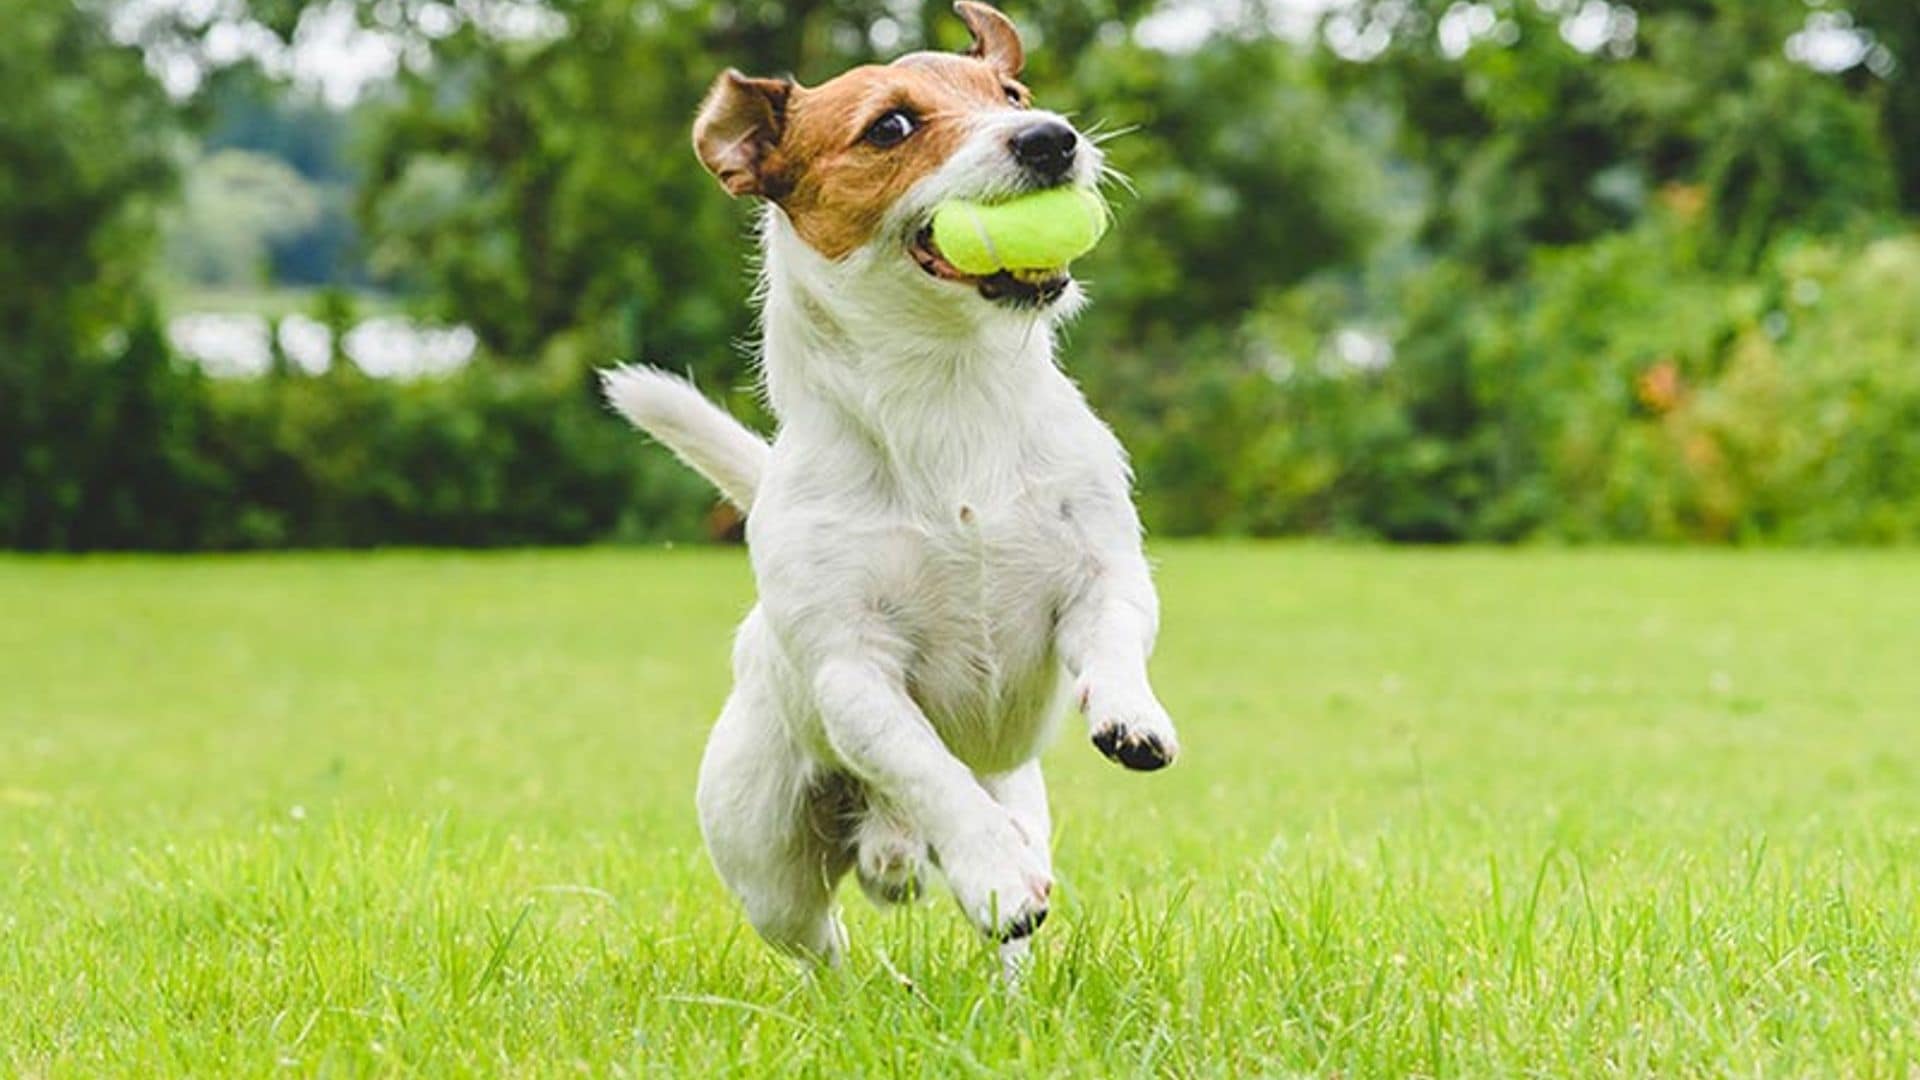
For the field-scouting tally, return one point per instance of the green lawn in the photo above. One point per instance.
(1460, 813)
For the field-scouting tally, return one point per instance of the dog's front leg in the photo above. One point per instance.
(878, 731)
(1105, 635)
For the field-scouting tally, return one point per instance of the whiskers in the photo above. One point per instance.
(1113, 176)
(1099, 134)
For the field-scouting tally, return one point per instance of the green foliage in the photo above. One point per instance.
(1625, 388)
(481, 458)
(1216, 218)
(85, 138)
(540, 189)
(168, 459)
(87, 389)
(1532, 142)
(1792, 417)
(1895, 27)
(1669, 402)
(104, 447)
(1582, 223)
(1400, 283)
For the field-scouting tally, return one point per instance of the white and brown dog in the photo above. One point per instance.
(942, 531)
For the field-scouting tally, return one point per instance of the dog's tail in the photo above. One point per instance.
(701, 433)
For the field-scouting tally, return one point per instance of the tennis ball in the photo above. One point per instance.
(1042, 231)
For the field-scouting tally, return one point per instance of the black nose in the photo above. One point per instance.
(1047, 148)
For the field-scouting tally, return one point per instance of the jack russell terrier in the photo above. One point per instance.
(942, 531)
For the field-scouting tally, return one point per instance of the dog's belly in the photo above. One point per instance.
(980, 612)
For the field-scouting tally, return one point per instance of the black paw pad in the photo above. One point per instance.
(1024, 926)
(1141, 753)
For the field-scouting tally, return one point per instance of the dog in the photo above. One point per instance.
(942, 532)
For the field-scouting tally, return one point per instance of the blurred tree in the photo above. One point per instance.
(1245, 181)
(96, 426)
(1532, 139)
(540, 187)
(1894, 26)
(1776, 146)
(537, 189)
(1537, 136)
(85, 138)
(1469, 271)
(1243, 178)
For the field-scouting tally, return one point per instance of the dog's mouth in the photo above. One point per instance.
(1015, 288)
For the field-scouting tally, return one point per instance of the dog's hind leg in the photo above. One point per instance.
(1023, 792)
(777, 826)
(889, 857)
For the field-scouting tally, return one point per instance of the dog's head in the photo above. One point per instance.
(857, 164)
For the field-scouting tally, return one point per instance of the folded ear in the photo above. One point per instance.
(994, 38)
(739, 124)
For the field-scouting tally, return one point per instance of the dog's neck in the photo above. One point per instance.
(901, 360)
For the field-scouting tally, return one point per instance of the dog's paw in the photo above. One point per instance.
(1141, 751)
(889, 861)
(1002, 888)
(1133, 730)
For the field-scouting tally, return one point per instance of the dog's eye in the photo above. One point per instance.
(1014, 96)
(891, 129)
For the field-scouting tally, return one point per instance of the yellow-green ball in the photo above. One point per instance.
(1042, 231)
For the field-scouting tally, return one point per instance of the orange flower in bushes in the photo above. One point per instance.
(1659, 387)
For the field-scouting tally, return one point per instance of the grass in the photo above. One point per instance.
(1458, 813)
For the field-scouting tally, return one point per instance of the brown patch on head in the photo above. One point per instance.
(809, 150)
(839, 184)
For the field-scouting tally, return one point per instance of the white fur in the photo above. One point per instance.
(947, 555)
(719, 447)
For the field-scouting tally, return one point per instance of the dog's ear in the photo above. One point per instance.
(994, 38)
(739, 124)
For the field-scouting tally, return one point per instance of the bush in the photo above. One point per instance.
(485, 457)
(1625, 389)
(166, 458)
(1619, 390)
(1653, 399)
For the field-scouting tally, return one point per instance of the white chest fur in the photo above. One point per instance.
(953, 553)
(937, 494)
